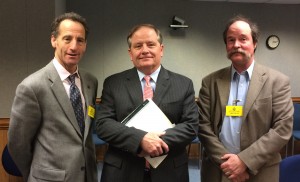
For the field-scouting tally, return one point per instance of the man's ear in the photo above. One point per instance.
(130, 55)
(53, 41)
(162, 50)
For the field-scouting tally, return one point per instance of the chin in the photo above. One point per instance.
(73, 61)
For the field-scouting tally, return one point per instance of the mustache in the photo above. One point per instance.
(229, 54)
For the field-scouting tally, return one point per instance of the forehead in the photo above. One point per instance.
(144, 33)
(239, 27)
(68, 26)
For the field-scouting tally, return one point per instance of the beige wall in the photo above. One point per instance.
(194, 52)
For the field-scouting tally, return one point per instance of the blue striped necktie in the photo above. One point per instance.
(75, 98)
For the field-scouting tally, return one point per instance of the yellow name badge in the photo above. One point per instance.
(91, 111)
(234, 110)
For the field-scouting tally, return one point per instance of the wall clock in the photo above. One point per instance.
(273, 41)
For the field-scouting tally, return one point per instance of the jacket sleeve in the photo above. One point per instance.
(25, 120)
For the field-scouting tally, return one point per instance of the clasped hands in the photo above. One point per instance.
(152, 145)
(234, 168)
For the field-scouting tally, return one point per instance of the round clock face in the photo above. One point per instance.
(273, 41)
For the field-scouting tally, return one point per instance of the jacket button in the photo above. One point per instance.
(82, 168)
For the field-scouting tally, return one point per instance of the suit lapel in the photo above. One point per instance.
(61, 95)
(134, 88)
(133, 85)
(223, 86)
(258, 79)
(162, 85)
(86, 91)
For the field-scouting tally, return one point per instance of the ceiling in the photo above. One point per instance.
(257, 1)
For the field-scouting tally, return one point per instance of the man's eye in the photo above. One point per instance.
(137, 46)
(67, 39)
(81, 40)
(230, 40)
(151, 45)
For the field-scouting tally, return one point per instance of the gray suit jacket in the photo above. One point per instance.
(266, 127)
(122, 93)
(44, 138)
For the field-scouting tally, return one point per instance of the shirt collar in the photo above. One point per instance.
(62, 72)
(249, 70)
(153, 76)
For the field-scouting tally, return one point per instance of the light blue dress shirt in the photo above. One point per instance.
(231, 127)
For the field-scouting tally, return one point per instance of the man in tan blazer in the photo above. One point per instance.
(244, 122)
(44, 137)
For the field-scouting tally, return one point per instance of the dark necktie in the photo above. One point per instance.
(75, 98)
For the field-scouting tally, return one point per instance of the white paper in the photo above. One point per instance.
(151, 119)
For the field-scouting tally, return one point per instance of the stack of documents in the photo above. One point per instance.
(150, 118)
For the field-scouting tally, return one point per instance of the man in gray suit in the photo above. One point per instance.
(123, 92)
(246, 113)
(44, 137)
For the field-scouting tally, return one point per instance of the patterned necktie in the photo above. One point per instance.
(148, 92)
(75, 98)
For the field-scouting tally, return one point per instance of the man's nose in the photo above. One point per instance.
(145, 48)
(237, 44)
(73, 44)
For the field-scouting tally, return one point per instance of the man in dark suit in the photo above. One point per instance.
(44, 137)
(246, 113)
(123, 92)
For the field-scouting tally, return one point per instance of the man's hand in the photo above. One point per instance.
(241, 178)
(153, 145)
(234, 168)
